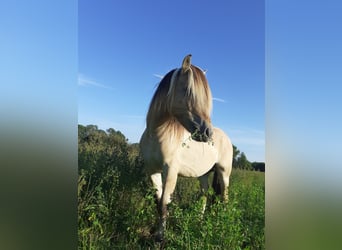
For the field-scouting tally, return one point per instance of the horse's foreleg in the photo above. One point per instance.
(158, 185)
(204, 189)
(169, 181)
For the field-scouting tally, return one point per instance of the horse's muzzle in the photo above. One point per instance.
(203, 133)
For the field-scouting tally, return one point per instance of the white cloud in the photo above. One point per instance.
(158, 76)
(86, 81)
(218, 99)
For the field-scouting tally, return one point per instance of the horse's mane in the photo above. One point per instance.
(200, 100)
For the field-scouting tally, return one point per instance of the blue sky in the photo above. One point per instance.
(125, 45)
(41, 58)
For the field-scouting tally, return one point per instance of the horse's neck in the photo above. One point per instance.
(168, 130)
(156, 122)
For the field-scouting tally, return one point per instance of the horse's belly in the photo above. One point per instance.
(195, 159)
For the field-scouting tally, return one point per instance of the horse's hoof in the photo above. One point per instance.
(159, 237)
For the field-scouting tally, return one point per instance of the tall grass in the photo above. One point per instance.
(117, 210)
(124, 219)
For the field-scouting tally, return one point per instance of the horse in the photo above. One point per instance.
(180, 139)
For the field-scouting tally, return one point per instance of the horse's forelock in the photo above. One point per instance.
(203, 98)
(198, 91)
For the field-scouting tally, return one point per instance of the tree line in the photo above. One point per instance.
(240, 161)
(129, 151)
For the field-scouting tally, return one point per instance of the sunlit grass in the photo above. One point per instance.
(117, 210)
(128, 222)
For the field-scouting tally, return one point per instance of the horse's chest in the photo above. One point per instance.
(195, 159)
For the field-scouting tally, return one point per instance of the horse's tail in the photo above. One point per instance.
(216, 183)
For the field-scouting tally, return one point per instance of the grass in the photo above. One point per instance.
(123, 217)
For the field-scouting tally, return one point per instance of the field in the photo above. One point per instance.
(116, 207)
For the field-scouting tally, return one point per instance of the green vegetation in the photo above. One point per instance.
(116, 207)
(240, 161)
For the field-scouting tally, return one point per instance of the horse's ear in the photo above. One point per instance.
(186, 63)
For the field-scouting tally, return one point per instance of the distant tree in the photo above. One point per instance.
(243, 163)
(240, 160)
(236, 153)
(104, 155)
(258, 166)
(117, 135)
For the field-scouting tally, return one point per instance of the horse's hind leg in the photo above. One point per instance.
(223, 175)
(224, 186)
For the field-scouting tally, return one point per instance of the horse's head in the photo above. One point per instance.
(189, 100)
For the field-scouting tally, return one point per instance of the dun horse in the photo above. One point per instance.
(179, 138)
